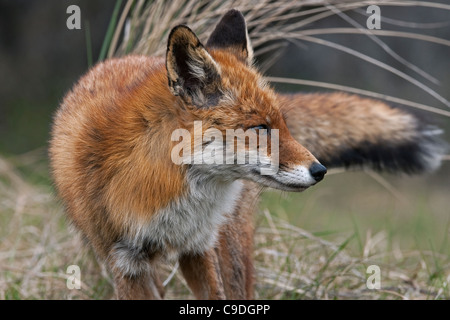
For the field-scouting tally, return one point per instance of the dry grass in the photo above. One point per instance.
(143, 28)
(36, 247)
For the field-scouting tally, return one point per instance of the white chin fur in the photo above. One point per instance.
(297, 176)
(296, 179)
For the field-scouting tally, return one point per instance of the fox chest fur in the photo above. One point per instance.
(190, 224)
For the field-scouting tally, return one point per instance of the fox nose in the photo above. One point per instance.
(317, 171)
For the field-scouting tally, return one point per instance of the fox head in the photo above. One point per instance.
(219, 88)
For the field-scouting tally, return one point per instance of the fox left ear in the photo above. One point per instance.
(192, 72)
(231, 34)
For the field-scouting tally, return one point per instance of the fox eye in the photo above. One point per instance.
(260, 127)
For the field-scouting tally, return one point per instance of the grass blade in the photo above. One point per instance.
(383, 45)
(110, 31)
(118, 29)
(361, 92)
(87, 33)
(370, 60)
(385, 33)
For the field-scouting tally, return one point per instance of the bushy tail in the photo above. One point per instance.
(344, 130)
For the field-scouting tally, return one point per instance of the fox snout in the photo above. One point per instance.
(298, 170)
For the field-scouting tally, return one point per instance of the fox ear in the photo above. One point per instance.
(231, 34)
(192, 72)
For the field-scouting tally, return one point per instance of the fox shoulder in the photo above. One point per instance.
(100, 138)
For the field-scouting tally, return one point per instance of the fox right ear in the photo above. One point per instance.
(192, 72)
(231, 34)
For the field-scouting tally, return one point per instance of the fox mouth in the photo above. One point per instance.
(272, 182)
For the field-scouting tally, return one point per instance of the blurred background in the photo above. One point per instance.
(40, 59)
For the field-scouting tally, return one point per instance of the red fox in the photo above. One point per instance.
(111, 147)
